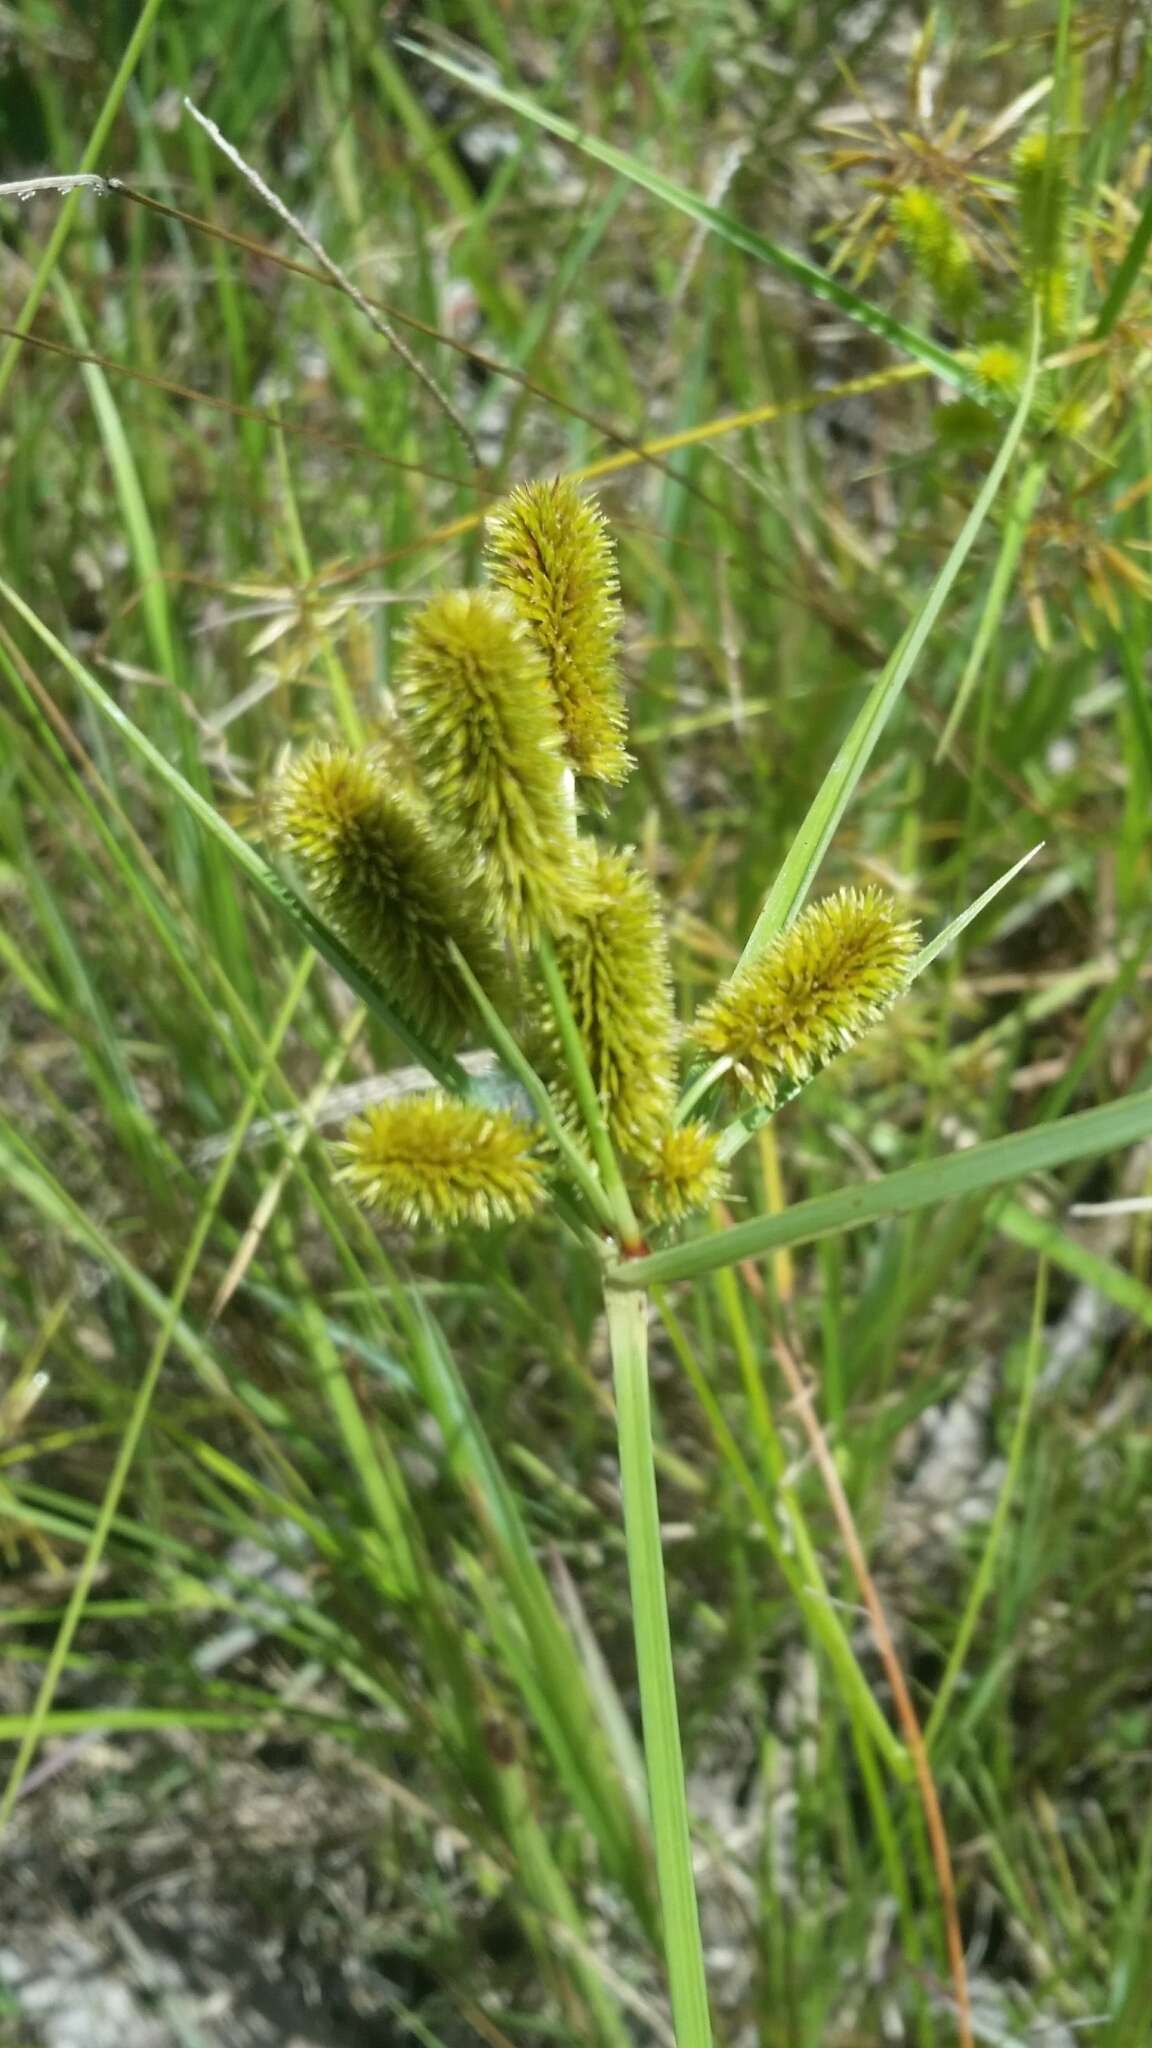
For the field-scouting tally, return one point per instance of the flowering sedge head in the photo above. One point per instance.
(1043, 193)
(681, 1174)
(613, 960)
(811, 993)
(936, 245)
(429, 1161)
(376, 871)
(473, 689)
(549, 550)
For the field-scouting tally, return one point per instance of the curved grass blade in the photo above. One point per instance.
(924, 1186)
(809, 275)
(839, 785)
(246, 857)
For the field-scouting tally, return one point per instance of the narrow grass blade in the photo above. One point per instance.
(1127, 271)
(785, 261)
(923, 1186)
(1015, 529)
(808, 848)
(1043, 1234)
(951, 932)
(134, 1428)
(628, 1336)
(245, 856)
(91, 157)
(985, 1570)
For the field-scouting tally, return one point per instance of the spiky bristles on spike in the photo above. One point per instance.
(548, 548)
(613, 961)
(1043, 192)
(430, 1160)
(681, 1174)
(937, 247)
(473, 690)
(390, 890)
(812, 992)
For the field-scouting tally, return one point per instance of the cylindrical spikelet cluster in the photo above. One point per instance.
(936, 245)
(681, 1174)
(473, 689)
(426, 1160)
(380, 876)
(549, 550)
(613, 960)
(811, 993)
(1042, 195)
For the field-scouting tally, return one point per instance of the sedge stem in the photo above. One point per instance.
(664, 1760)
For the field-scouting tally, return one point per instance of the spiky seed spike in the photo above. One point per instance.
(681, 1174)
(811, 993)
(999, 367)
(548, 548)
(379, 875)
(936, 245)
(473, 689)
(613, 960)
(1043, 193)
(427, 1160)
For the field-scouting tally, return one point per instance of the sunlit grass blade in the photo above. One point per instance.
(925, 1186)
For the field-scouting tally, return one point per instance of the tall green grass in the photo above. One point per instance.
(431, 1428)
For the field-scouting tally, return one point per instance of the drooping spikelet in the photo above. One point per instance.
(381, 878)
(613, 960)
(473, 689)
(549, 549)
(430, 1160)
(812, 992)
(1042, 193)
(936, 245)
(681, 1173)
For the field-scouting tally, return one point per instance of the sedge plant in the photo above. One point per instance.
(489, 903)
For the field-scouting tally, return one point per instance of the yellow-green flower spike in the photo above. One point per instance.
(613, 960)
(380, 877)
(811, 993)
(936, 245)
(430, 1161)
(681, 1174)
(549, 549)
(473, 690)
(1043, 193)
(999, 368)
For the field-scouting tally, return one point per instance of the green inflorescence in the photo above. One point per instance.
(389, 888)
(430, 1160)
(473, 690)
(811, 993)
(549, 550)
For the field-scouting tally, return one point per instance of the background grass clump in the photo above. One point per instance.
(361, 1560)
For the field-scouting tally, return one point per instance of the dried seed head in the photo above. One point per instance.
(384, 882)
(429, 1160)
(812, 992)
(613, 960)
(681, 1174)
(936, 245)
(473, 688)
(549, 549)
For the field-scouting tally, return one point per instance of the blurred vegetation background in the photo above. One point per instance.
(342, 1749)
